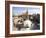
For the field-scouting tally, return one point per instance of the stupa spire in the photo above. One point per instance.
(27, 11)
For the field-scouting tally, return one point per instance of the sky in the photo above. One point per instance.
(21, 10)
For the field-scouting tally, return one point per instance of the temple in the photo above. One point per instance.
(21, 20)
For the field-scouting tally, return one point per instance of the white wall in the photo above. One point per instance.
(2, 19)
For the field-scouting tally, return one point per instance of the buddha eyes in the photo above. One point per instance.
(20, 21)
